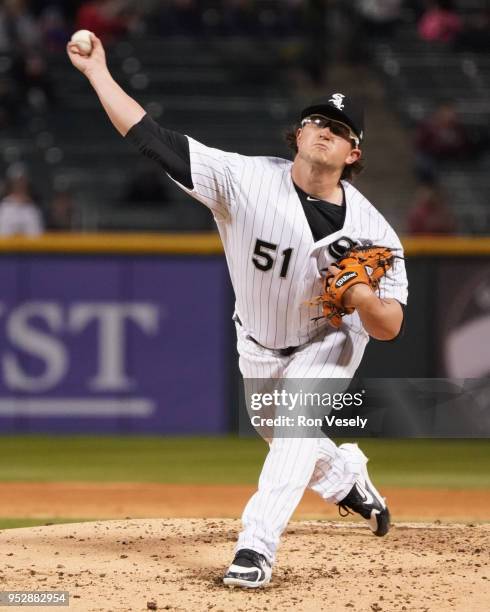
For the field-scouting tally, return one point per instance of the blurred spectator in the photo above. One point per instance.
(430, 213)
(108, 19)
(62, 212)
(441, 137)
(367, 21)
(379, 17)
(18, 28)
(54, 29)
(146, 187)
(34, 82)
(18, 212)
(69, 8)
(440, 22)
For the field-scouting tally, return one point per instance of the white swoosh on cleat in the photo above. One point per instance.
(368, 498)
(373, 523)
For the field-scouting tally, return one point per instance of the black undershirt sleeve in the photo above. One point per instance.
(169, 149)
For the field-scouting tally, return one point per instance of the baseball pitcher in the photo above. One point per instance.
(316, 272)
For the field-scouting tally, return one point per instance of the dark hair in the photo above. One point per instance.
(349, 171)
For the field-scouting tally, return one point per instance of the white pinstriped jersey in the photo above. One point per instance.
(275, 264)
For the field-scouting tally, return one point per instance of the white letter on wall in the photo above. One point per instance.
(111, 317)
(37, 343)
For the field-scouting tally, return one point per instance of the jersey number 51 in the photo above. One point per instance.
(264, 260)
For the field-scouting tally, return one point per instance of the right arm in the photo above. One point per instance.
(169, 149)
(122, 110)
(199, 170)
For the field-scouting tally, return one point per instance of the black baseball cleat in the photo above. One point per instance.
(365, 500)
(249, 569)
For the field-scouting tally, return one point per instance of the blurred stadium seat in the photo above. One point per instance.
(419, 75)
(235, 86)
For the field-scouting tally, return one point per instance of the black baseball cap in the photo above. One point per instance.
(341, 107)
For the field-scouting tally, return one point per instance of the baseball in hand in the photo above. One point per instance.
(83, 41)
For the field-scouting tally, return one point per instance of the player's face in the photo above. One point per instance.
(325, 142)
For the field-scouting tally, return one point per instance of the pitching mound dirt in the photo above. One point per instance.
(177, 565)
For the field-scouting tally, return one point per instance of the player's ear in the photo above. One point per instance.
(354, 155)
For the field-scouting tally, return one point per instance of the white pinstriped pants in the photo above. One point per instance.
(293, 464)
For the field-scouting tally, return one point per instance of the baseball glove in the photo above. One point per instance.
(358, 265)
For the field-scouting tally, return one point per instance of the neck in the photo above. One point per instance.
(317, 181)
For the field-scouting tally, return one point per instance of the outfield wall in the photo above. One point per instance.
(133, 334)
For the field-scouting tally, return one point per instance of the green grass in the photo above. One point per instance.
(430, 463)
(15, 523)
(227, 460)
(136, 459)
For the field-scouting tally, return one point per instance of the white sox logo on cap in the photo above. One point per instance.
(337, 100)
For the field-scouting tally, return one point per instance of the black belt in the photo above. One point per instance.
(284, 352)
